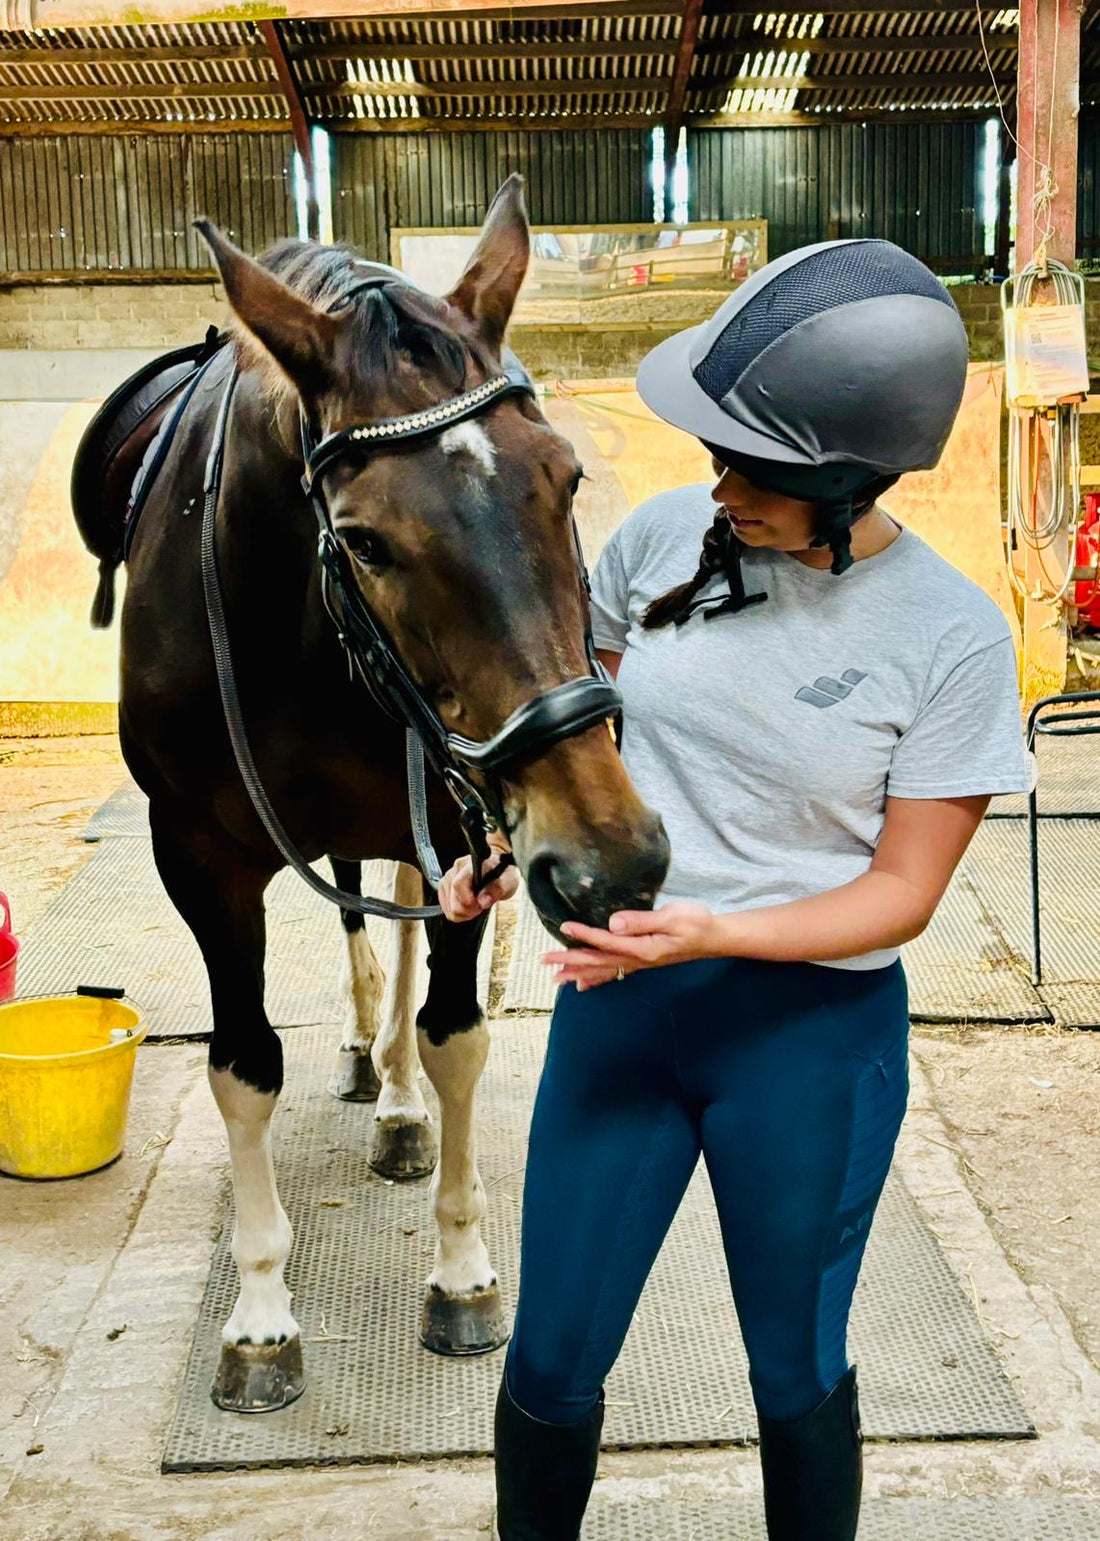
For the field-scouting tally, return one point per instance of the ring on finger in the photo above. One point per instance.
(620, 973)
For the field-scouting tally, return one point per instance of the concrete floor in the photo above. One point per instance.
(100, 1281)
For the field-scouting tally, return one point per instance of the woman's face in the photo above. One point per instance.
(764, 518)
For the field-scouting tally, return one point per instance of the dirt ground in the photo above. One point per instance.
(49, 788)
(1002, 1147)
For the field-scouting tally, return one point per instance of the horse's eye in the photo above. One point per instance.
(574, 485)
(366, 548)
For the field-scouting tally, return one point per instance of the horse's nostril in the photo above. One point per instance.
(548, 886)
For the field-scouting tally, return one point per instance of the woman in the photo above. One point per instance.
(820, 714)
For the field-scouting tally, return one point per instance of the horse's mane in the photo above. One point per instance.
(394, 318)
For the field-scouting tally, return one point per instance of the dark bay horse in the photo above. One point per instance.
(461, 544)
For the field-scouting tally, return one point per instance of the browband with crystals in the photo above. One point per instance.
(413, 425)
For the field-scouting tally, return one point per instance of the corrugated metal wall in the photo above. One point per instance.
(573, 178)
(913, 183)
(84, 204)
(106, 203)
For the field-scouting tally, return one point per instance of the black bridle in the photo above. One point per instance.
(567, 709)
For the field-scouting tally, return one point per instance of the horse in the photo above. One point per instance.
(457, 543)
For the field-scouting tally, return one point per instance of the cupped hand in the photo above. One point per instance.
(635, 939)
(456, 891)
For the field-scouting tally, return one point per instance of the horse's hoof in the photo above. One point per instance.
(458, 1325)
(259, 1377)
(355, 1078)
(403, 1151)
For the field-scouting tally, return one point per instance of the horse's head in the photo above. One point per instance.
(461, 543)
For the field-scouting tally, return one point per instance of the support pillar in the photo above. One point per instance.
(299, 124)
(1048, 103)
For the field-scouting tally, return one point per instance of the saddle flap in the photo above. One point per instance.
(115, 441)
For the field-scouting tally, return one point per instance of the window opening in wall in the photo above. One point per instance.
(680, 181)
(989, 176)
(657, 174)
(322, 171)
(678, 214)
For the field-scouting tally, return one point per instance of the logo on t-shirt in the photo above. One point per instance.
(827, 692)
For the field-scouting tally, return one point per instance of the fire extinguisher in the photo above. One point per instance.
(1086, 591)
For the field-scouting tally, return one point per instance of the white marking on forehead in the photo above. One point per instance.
(472, 438)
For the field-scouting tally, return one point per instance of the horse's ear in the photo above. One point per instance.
(298, 337)
(487, 290)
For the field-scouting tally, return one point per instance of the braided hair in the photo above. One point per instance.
(722, 552)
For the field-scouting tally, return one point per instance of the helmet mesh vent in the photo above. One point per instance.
(840, 275)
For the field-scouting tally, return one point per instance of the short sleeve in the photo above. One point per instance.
(967, 739)
(610, 598)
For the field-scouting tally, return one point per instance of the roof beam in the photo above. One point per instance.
(441, 53)
(911, 43)
(299, 124)
(27, 15)
(844, 7)
(596, 85)
(115, 127)
(681, 75)
(624, 85)
(871, 81)
(585, 48)
(208, 53)
(798, 119)
(105, 127)
(190, 91)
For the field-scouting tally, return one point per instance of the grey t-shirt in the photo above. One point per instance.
(768, 740)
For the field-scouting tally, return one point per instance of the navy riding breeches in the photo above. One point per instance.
(791, 1079)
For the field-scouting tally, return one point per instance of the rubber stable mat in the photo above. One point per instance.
(363, 1249)
(1069, 781)
(126, 812)
(884, 1519)
(529, 985)
(960, 970)
(113, 924)
(1069, 888)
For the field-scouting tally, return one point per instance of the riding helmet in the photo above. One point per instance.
(832, 368)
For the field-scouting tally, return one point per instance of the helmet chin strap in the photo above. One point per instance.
(834, 529)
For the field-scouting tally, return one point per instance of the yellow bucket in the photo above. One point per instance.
(64, 1085)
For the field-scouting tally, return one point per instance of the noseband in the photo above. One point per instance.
(547, 719)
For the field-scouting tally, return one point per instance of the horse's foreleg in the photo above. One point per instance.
(355, 1078)
(462, 1312)
(220, 896)
(403, 1145)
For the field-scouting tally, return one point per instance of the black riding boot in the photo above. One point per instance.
(813, 1469)
(544, 1472)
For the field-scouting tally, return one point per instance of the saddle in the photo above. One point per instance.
(121, 451)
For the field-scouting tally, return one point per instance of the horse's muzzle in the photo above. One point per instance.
(589, 885)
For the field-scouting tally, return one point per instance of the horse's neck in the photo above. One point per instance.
(269, 416)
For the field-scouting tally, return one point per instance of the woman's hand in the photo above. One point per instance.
(456, 892)
(677, 933)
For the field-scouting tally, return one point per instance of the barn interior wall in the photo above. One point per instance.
(118, 208)
(918, 184)
(94, 329)
(125, 203)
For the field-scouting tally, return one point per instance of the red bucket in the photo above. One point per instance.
(9, 952)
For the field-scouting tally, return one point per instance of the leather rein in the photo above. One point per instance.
(547, 719)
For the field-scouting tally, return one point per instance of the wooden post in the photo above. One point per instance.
(299, 124)
(674, 107)
(1048, 102)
